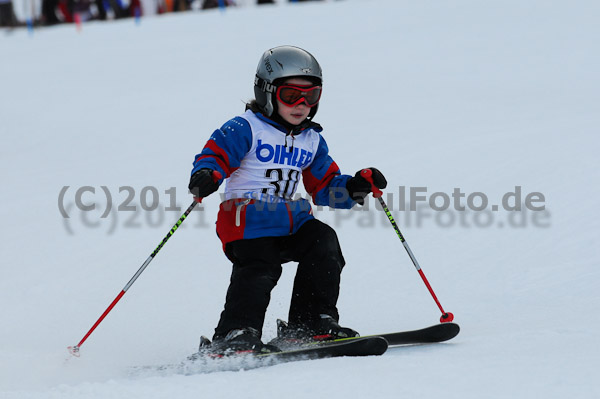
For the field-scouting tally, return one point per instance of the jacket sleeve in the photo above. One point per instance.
(225, 148)
(324, 181)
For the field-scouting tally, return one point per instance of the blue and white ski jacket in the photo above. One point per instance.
(262, 163)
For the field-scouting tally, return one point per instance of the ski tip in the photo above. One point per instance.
(451, 331)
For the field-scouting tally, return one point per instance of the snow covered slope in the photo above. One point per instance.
(481, 96)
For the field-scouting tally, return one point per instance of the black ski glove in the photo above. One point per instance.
(202, 183)
(358, 187)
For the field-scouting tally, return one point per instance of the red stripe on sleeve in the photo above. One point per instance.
(220, 156)
(314, 185)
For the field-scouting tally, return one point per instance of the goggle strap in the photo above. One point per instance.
(264, 85)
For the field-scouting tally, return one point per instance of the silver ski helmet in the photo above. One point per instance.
(279, 63)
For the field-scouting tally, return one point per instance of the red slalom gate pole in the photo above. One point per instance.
(377, 193)
(74, 350)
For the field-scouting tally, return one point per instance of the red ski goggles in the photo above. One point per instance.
(292, 95)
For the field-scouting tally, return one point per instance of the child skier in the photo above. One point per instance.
(262, 154)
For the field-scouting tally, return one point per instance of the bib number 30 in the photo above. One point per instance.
(283, 186)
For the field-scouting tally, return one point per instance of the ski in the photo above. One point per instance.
(361, 346)
(205, 362)
(371, 345)
(436, 333)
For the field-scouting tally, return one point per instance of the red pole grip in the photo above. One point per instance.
(367, 174)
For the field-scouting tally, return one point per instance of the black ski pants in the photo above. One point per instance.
(257, 268)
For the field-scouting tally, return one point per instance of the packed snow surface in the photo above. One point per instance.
(486, 97)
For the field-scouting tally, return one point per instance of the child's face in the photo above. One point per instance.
(298, 113)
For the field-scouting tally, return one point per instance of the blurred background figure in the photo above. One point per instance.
(146, 8)
(66, 10)
(7, 14)
(82, 9)
(206, 4)
(182, 5)
(265, 1)
(49, 16)
(111, 9)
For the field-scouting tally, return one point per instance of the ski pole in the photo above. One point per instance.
(377, 193)
(74, 350)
